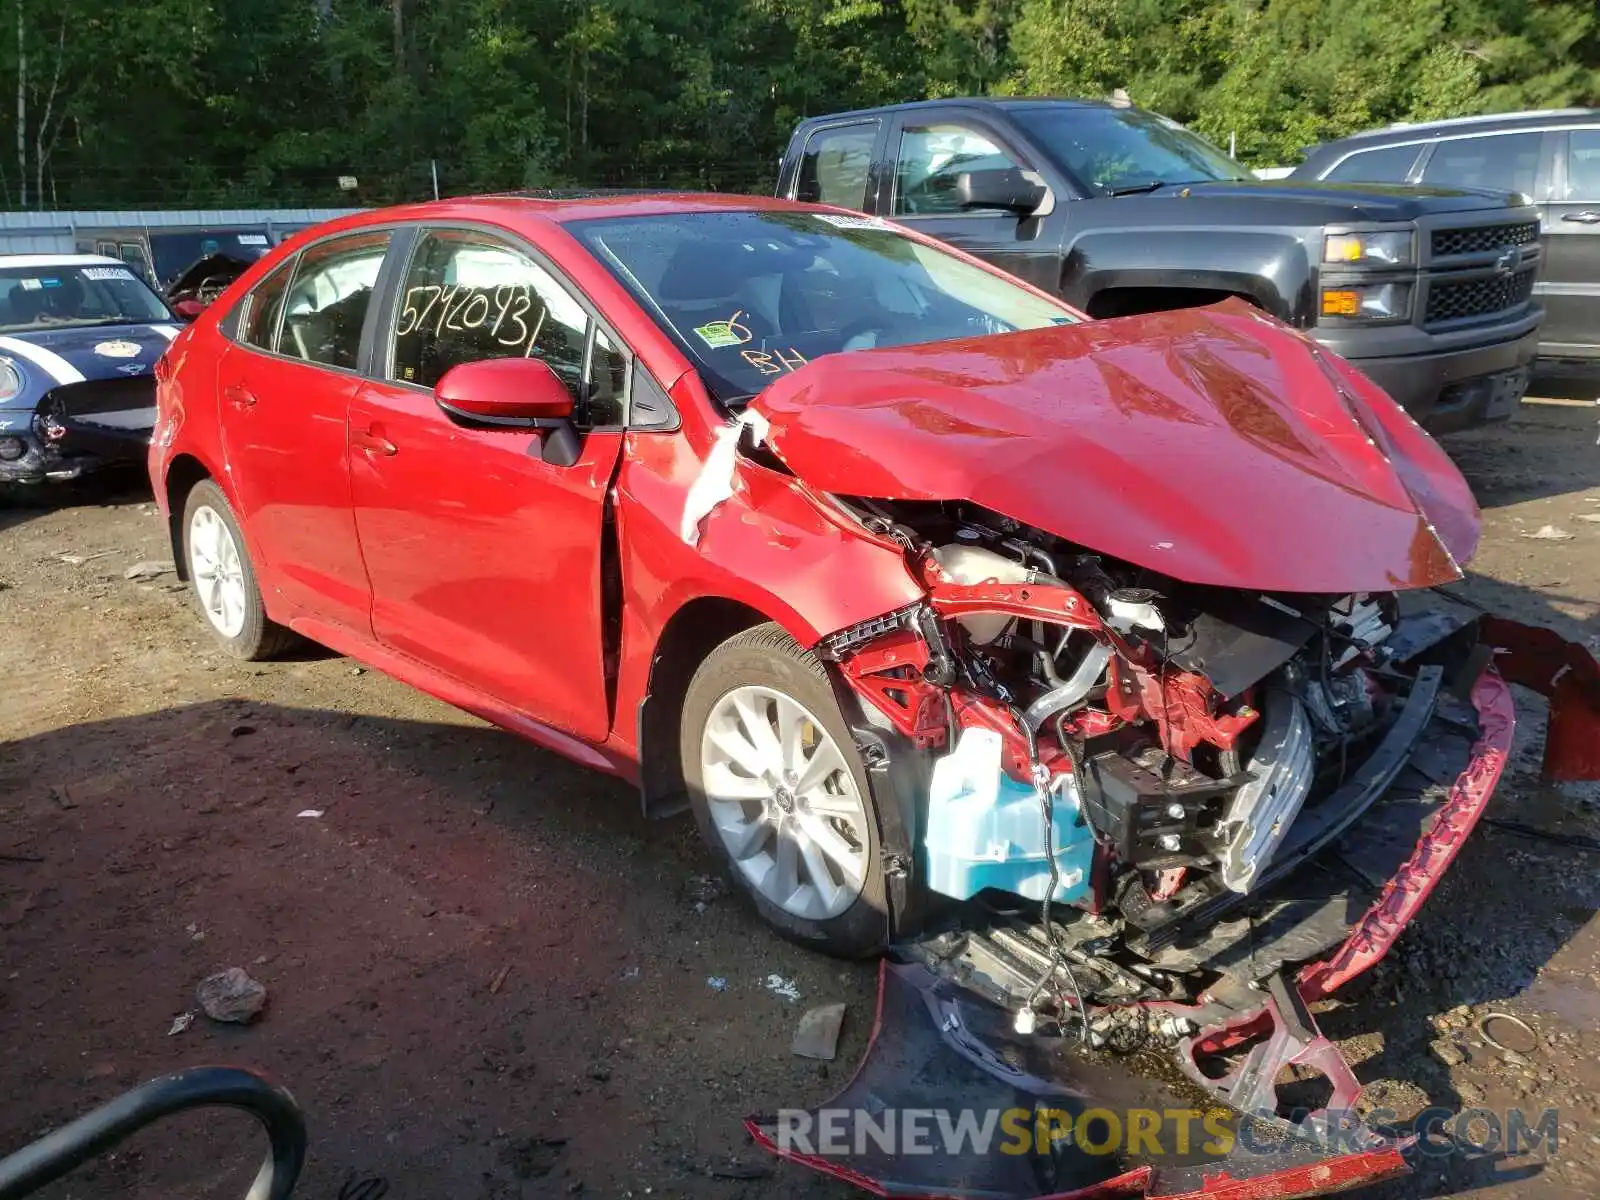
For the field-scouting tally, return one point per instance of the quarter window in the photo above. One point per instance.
(930, 160)
(1390, 164)
(1583, 165)
(327, 304)
(259, 327)
(835, 166)
(467, 297)
(1507, 162)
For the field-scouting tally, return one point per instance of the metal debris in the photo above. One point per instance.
(1489, 1018)
(1549, 533)
(817, 1035)
(180, 1022)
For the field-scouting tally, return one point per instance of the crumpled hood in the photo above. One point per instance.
(1215, 446)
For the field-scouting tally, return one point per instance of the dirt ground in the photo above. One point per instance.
(488, 976)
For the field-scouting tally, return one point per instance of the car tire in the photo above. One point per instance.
(222, 578)
(781, 795)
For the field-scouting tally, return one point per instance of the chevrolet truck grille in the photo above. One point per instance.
(1448, 242)
(1478, 297)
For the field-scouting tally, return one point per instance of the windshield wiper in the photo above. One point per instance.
(1133, 189)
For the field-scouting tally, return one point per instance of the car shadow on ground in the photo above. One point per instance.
(124, 483)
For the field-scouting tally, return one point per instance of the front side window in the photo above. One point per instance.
(835, 165)
(75, 296)
(930, 161)
(327, 303)
(1583, 165)
(468, 296)
(1120, 150)
(1505, 162)
(752, 295)
(1389, 164)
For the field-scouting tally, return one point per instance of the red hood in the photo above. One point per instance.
(1213, 445)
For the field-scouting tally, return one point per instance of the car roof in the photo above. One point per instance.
(513, 208)
(992, 103)
(1401, 132)
(59, 260)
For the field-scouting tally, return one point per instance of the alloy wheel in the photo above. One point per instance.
(784, 801)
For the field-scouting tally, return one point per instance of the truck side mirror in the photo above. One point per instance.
(1006, 188)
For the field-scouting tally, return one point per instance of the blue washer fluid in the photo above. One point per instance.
(985, 830)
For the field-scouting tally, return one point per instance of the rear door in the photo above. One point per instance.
(927, 150)
(284, 390)
(1572, 254)
(484, 558)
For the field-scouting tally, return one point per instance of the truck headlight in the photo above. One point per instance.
(1389, 249)
(1379, 302)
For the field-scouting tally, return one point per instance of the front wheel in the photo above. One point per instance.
(781, 795)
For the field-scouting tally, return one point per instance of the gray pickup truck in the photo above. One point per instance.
(1430, 291)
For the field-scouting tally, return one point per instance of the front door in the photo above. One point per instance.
(284, 393)
(1572, 250)
(924, 162)
(484, 558)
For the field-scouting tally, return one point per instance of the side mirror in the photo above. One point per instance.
(519, 393)
(1005, 188)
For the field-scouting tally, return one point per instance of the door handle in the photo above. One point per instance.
(239, 397)
(373, 443)
(1587, 217)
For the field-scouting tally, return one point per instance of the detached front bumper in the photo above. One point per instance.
(951, 1101)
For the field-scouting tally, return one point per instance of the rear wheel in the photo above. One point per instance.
(780, 793)
(223, 579)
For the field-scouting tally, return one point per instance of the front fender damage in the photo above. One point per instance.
(966, 1091)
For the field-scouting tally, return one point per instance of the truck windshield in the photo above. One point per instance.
(175, 251)
(1124, 149)
(54, 297)
(752, 295)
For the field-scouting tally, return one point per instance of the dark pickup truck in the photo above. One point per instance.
(1430, 291)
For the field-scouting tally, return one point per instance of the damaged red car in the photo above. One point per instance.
(1093, 669)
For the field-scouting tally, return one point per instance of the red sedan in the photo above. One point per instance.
(745, 499)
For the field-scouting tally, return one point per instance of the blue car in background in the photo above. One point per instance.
(79, 338)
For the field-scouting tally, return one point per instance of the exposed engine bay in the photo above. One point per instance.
(1186, 747)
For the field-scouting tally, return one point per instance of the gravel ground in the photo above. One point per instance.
(487, 974)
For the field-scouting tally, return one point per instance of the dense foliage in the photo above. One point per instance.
(208, 102)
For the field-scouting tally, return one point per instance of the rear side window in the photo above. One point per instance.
(1508, 162)
(327, 304)
(1390, 164)
(259, 326)
(1583, 165)
(835, 165)
(468, 296)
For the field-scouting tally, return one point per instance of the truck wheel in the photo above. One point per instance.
(223, 579)
(781, 795)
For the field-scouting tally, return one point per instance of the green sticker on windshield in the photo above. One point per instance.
(719, 335)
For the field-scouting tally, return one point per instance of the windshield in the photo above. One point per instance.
(753, 295)
(1113, 149)
(173, 252)
(59, 296)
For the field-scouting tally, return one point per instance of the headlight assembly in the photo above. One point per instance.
(1392, 249)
